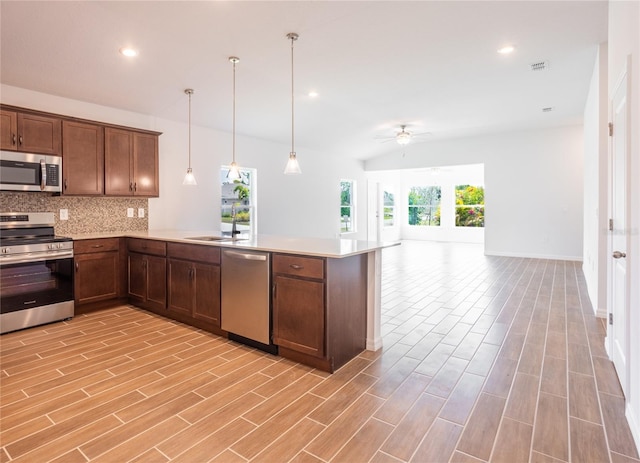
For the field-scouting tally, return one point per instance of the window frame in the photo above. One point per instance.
(467, 206)
(432, 207)
(351, 206)
(251, 206)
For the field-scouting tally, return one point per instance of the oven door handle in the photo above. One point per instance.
(35, 257)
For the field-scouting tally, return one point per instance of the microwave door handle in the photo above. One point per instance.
(43, 174)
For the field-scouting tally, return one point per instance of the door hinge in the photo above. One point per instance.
(610, 224)
(611, 129)
(611, 318)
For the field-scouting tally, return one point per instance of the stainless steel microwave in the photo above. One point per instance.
(30, 172)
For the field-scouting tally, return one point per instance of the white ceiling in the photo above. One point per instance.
(375, 65)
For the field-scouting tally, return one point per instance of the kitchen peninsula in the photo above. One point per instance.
(323, 299)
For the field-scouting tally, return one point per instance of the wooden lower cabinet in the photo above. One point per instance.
(298, 308)
(194, 284)
(98, 273)
(319, 308)
(147, 272)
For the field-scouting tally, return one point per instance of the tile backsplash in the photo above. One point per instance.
(86, 214)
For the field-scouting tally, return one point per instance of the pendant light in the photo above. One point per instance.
(234, 172)
(189, 179)
(292, 165)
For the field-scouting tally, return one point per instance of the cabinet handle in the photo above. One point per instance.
(96, 246)
(274, 290)
(135, 186)
(13, 139)
(130, 186)
(66, 185)
(77, 267)
(20, 139)
(296, 266)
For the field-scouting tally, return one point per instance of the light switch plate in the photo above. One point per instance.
(64, 214)
(129, 212)
(141, 212)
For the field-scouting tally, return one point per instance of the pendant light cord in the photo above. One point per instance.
(293, 37)
(233, 143)
(190, 92)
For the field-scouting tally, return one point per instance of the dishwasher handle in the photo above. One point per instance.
(245, 255)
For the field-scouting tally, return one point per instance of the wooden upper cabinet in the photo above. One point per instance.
(118, 151)
(145, 164)
(131, 163)
(8, 130)
(39, 134)
(83, 158)
(31, 133)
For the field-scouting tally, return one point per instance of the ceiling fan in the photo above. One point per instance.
(403, 136)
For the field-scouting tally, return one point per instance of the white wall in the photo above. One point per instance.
(533, 187)
(304, 205)
(624, 40)
(596, 141)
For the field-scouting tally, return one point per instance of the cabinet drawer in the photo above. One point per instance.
(96, 245)
(158, 248)
(308, 267)
(194, 252)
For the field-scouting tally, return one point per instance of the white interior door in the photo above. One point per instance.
(619, 283)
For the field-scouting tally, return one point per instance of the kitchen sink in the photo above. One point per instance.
(208, 238)
(213, 238)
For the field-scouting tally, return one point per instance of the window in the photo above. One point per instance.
(424, 205)
(469, 206)
(241, 194)
(347, 206)
(389, 209)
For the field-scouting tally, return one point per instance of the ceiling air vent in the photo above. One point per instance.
(548, 109)
(539, 66)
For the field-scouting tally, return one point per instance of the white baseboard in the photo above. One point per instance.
(533, 256)
(634, 425)
(374, 344)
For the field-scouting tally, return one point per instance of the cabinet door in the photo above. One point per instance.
(298, 315)
(137, 277)
(145, 165)
(181, 286)
(96, 276)
(39, 134)
(207, 293)
(8, 130)
(156, 282)
(118, 150)
(83, 159)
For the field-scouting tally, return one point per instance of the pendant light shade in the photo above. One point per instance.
(292, 167)
(189, 179)
(234, 172)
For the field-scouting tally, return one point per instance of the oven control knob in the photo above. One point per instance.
(5, 250)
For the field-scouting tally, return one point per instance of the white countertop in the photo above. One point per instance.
(334, 248)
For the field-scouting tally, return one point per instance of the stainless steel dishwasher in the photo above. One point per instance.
(245, 312)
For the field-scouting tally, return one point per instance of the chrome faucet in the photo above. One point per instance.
(234, 230)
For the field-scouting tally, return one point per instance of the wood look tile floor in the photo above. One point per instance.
(485, 359)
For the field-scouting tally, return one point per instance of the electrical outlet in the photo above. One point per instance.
(129, 212)
(141, 212)
(64, 214)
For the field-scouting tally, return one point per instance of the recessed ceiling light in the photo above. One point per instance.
(506, 50)
(126, 51)
(313, 94)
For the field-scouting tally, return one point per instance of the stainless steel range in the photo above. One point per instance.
(36, 271)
